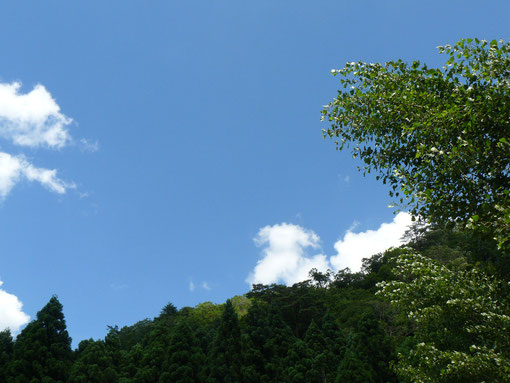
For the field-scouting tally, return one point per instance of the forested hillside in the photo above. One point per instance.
(333, 327)
(434, 310)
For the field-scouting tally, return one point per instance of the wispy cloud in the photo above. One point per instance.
(89, 146)
(206, 286)
(11, 312)
(203, 285)
(344, 178)
(13, 169)
(284, 256)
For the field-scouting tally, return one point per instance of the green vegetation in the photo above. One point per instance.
(431, 318)
(439, 136)
(435, 310)
(461, 321)
(441, 139)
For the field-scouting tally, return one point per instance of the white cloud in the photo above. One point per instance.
(11, 313)
(356, 246)
(89, 146)
(205, 286)
(15, 168)
(32, 119)
(284, 258)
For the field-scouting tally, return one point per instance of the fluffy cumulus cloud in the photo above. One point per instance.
(284, 257)
(32, 119)
(15, 168)
(11, 313)
(353, 247)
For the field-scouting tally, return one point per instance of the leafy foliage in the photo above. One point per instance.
(461, 318)
(439, 136)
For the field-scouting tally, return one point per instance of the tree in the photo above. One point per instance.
(316, 342)
(154, 355)
(439, 136)
(265, 341)
(461, 319)
(353, 369)
(42, 352)
(334, 346)
(299, 362)
(368, 353)
(225, 358)
(298, 304)
(6, 348)
(128, 336)
(185, 357)
(93, 364)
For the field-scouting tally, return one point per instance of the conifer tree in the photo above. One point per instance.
(155, 353)
(132, 363)
(279, 342)
(113, 347)
(42, 352)
(266, 339)
(93, 364)
(335, 345)
(225, 359)
(299, 363)
(316, 344)
(185, 357)
(154, 356)
(368, 354)
(6, 348)
(353, 369)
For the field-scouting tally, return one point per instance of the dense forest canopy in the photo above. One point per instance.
(333, 327)
(434, 310)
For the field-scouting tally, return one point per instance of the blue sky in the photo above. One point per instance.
(186, 140)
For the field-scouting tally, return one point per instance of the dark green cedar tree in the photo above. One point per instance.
(299, 363)
(6, 349)
(225, 357)
(185, 358)
(42, 351)
(93, 364)
(265, 341)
